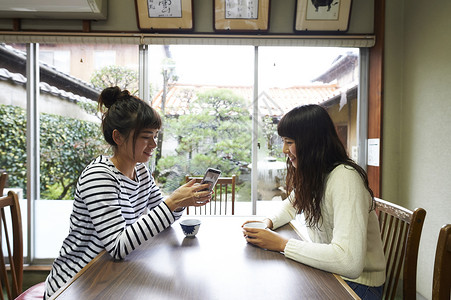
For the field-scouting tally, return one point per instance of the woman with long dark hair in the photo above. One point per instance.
(332, 193)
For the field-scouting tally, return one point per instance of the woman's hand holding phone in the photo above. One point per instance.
(192, 193)
(189, 194)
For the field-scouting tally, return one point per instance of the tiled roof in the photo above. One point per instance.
(338, 67)
(274, 102)
(44, 87)
(49, 74)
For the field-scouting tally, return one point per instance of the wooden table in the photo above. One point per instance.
(216, 264)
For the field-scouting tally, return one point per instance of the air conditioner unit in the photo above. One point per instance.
(54, 9)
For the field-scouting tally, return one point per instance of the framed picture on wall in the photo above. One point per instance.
(164, 15)
(322, 15)
(241, 15)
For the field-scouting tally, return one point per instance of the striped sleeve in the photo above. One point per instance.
(104, 199)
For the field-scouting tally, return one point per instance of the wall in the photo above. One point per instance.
(417, 118)
(122, 18)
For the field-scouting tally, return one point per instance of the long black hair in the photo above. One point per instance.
(318, 151)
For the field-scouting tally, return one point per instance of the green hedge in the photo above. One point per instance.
(67, 145)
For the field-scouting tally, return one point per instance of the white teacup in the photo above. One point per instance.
(255, 224)
(190, 227)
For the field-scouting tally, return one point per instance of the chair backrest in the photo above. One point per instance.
(3, 179)
(441, 287)
(400, 231)
(12, 257)
(223, 201)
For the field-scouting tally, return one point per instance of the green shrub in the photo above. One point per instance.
(67, 145)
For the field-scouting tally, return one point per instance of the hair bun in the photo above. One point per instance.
(109, 96)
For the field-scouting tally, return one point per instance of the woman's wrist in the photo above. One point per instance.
(268, 223)
(283, 245)
(171, 203)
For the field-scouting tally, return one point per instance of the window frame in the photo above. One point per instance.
(33, 130)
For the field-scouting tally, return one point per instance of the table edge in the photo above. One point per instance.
(72, 280)
(347, 287)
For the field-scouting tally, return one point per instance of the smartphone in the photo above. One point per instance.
(211, 177)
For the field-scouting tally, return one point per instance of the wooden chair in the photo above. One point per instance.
(3, 180)
(223, 200)
(441, 287)
(400, 231)
(12, 258)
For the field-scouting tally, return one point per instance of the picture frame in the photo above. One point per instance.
(241, 16)
(165, 15)
(322, 15)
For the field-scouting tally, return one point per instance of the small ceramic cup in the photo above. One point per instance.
(190, 227)
(255, 224)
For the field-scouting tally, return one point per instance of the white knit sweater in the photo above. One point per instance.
(348, 241)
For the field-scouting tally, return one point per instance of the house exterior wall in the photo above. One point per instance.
(14, 94)
(81, 63)
(347, 115)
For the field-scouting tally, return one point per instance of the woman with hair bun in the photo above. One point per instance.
(331, 193)
(117, 204)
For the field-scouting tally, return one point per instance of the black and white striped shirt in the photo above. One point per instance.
(111, 212)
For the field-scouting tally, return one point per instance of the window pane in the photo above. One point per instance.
(205, 94)
(59, 59)
(13, 123)
(70, 135)
(293, 76)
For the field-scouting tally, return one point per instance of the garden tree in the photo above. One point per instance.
(109, 76)
(215, 133)
(269, 134)
(169, 78)
(123, 77)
